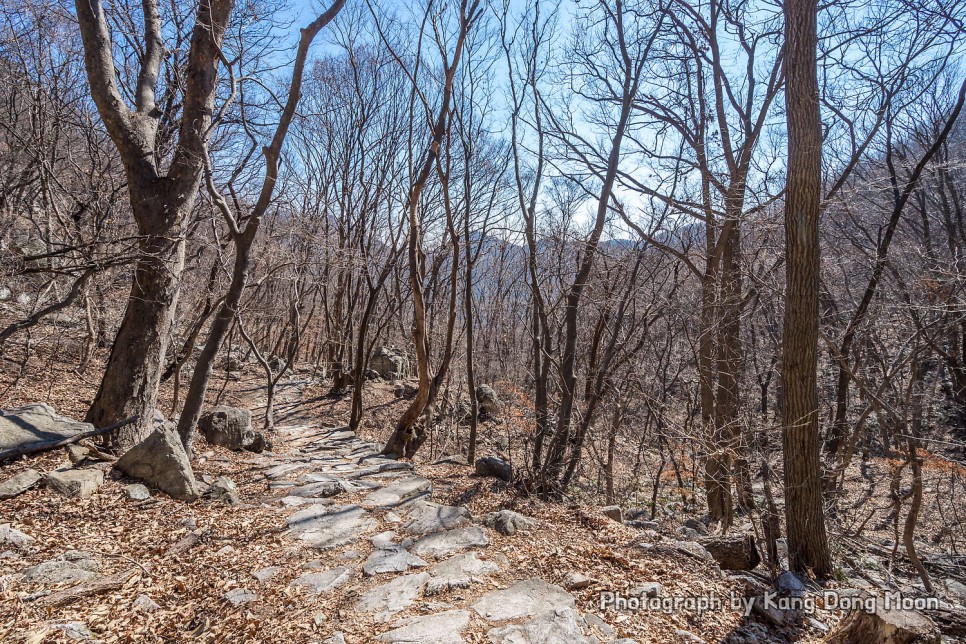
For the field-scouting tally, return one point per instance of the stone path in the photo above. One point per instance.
(341, 495)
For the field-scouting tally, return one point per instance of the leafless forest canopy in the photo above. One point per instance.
(709, 254)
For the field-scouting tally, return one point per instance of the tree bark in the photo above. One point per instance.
(804, 515)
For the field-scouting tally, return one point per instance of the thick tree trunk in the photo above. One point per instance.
(804, 516)
(130, 383)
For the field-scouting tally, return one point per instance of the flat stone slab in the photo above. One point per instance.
(72, 566)
(424, 517)
(394, 596)
(391, 559)
(79, 484)
(321, 582)
(384, 467)
(324, 526)
(458, 571)
(440, 544)
(398, 493)
(19, 483)
(318, 489)
(35, 425)
(284, 469)
(560, 625)
(438, 628)
(523, 599)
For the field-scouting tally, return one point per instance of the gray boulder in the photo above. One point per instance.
(160, 461)
(72, 566)
(229, 427)
(487, 401)
(495, 467)
(79, 484)
(388, 364)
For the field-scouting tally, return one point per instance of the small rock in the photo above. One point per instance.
(644, 525)
(74, 630)
(613, 512)
(646, 589)
(10, 536)
(393, 559)
(816, 625)
(71, 483)
(523, 599)
(438, 628)
(487, 401)
(240, 596)
(393, 596)
(440, 544)
(265, 574)
(383, 540)
(137, 492)
(77, 453)
(508, 522)
(954, 588)
(457, 572)
(694, 549)
(577, 581)
(259, 444)
(145, 604)
(336, 638)
(19, 483)
(594, 620)
(425, 517)
(493, 467)
(790, 584)
(225, 490)
(563, 624)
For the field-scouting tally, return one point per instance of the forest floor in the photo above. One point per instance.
(197, 562)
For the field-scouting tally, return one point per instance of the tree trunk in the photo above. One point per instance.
(804, 516)
(200, 377)
(133, 372)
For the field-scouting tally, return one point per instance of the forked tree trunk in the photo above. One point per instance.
(160, 202)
